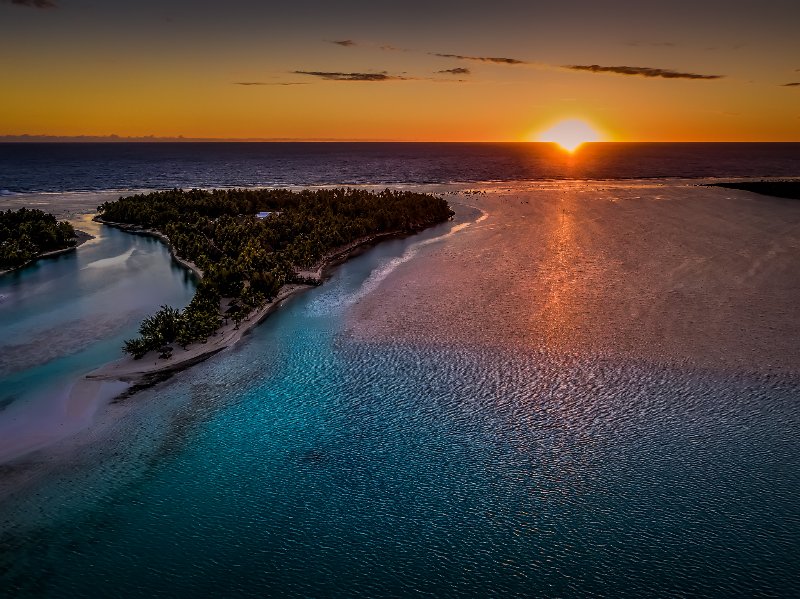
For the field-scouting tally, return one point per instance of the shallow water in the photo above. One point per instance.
(65, 316)
(307, 463)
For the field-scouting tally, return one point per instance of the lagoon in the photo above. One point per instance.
(65, 316)
(308, 461)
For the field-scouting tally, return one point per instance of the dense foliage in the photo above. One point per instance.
(249, 259)
(25, 234)
(779, 189)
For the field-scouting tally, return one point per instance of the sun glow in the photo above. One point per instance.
(570, 134)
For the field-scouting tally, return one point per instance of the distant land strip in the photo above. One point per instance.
(777, 189)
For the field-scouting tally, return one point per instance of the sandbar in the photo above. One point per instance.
(670, 273)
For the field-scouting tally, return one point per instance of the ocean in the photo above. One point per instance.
(311, 462)
(59, 167)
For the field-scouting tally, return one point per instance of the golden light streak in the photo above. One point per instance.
(570, 134)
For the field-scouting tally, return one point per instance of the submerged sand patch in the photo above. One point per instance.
(665, 272)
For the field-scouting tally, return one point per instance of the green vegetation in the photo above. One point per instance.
(26, 234)
(248, 259)
(778, 189)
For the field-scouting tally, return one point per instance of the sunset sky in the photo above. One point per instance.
(414, 70)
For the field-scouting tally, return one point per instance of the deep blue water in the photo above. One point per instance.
(305, 463)
(58, 167)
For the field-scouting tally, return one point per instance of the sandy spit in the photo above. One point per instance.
(151, 368)
(142, 371)
(98, 400)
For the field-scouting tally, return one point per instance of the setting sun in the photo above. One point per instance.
(570, 134)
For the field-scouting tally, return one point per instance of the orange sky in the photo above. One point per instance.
(674, 72)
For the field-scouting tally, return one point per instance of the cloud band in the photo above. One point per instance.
(639, 71)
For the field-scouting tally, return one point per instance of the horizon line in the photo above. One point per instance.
(28, 138)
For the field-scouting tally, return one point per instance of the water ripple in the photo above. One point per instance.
(306, 463)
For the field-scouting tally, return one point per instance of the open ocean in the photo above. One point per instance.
(58, 167)
(307, 463)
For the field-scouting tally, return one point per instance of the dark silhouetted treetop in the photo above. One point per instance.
(26, 234)
(778, 189)
(250, 258)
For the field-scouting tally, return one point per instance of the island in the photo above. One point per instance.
(26, 235)
(778, 189)
(250, 248)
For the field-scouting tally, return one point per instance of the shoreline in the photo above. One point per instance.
(669, 275)
(137, 230)
(151, 369)
(92, 392)
(81, 237)
(587, 262)
(98, 397)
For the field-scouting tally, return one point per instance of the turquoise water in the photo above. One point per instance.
(65, 316)
(304, 463)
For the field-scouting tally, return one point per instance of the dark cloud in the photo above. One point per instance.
(793, 84)
(455, 71)
(494, 59)
(335, 76)
(345, 43)
(640, 71)
(249, 83)
(33, 3)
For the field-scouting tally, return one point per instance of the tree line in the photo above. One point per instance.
(25, 234)
(249, 259)
(778, 189)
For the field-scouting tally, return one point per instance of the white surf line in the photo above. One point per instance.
(113, 261)
(378, 275)
(484, 215)
(324, 304)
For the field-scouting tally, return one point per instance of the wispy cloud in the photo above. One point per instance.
(348, 43)
(391, 48)
(381, 76)
(351, 43)
(455, 71)
(370, 77)
(640, 71)
(250, 83)
(494, 59)
(793, 84)
(638, 44)
(33, 3)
